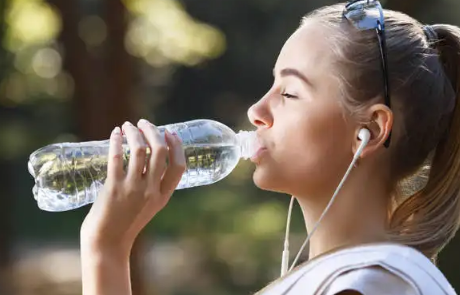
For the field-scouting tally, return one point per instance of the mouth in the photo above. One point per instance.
(258, 155)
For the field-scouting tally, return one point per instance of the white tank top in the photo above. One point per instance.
(368, 269)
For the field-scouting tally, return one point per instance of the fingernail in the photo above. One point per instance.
(128, 123)
(142, 121)
(116, 131)
(177, 137)
(169, 135)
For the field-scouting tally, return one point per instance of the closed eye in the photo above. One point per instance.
(287, 95)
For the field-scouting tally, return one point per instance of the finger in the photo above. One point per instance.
(138, 151)
(158, 151)
(176, 166)
(115, 161)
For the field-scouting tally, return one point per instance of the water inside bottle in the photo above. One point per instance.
(66, 182)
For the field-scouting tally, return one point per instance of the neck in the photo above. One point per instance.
(358, 214)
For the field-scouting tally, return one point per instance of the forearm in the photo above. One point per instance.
(105, 272)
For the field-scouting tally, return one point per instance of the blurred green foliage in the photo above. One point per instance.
(191, 59)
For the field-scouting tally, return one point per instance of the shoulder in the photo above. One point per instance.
(386, 269)
(370, 280)
(366, 269)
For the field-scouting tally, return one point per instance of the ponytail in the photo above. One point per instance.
(428, 219)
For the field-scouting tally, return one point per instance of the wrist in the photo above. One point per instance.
(105, 270)
(103, 256)
(94, 245)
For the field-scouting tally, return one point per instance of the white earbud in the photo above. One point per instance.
(364, 135)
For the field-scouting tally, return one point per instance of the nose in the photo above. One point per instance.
(260, 114)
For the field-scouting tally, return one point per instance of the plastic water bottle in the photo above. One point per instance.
(70, 175)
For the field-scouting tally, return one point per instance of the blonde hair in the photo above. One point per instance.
(424, 79)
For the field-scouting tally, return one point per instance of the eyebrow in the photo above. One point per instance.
(293, 72)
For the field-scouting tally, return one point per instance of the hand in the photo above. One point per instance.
(129, 200)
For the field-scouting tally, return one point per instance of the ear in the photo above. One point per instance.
(380, 123)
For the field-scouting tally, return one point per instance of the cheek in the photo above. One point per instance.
(319, 153)
(309, 155)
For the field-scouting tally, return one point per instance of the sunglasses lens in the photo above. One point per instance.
(364, 15)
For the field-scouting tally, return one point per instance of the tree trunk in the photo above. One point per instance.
(120, 106)
(102, 96)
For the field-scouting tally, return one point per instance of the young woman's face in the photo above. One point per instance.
(305, 133)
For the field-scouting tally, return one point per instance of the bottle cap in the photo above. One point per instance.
(248, 142)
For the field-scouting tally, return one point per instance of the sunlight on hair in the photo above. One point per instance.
(415, 182)
(162, 32)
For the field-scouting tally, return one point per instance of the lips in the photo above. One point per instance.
(258, 155)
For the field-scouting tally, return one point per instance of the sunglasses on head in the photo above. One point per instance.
(368, 15)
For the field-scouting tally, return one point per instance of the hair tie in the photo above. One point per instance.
(430, 33)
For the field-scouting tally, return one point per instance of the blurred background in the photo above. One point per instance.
(71, 70)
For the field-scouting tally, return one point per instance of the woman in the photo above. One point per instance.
(345, 69)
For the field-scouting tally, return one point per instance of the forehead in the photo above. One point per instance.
(307, 49)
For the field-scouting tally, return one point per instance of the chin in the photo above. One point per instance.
(285, 181)
(269, 181)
